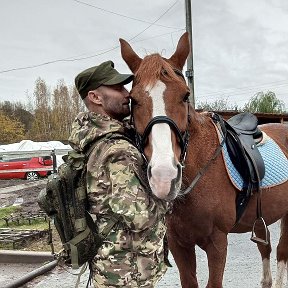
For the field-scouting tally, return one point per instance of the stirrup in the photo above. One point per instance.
(256, 239)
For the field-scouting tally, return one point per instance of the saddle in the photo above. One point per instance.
(243, 135)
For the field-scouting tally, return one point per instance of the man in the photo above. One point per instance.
(132, 255)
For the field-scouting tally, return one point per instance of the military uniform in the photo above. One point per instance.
(132, 255)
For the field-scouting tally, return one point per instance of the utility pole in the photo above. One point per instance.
(190, 71)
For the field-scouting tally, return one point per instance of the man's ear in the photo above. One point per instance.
(95, 97)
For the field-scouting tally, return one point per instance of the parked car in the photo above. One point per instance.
(26, 168)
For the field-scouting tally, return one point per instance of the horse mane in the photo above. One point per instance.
(152, 68)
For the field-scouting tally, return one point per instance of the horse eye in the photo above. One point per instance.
(164, 72)
(186, 97)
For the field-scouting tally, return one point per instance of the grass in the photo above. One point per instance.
(36, 224)
(6, 212)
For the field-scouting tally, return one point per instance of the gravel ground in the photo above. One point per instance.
(243, 267)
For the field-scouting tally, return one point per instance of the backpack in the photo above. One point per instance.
(65, 201)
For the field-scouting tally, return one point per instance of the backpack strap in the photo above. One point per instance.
(114, 218)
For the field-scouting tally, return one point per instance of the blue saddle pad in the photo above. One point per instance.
(276, 166)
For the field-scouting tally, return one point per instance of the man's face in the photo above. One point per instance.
(115, 101)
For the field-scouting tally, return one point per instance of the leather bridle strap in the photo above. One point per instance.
(183, 138)
(162, 119)
(217, 119)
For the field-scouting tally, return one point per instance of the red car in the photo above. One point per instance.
(26, 168)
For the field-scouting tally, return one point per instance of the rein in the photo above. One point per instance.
(217, 120)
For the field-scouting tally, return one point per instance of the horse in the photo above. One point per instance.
(179, 143)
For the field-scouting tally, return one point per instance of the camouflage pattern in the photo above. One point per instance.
(132, 255)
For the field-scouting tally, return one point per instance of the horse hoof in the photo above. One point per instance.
(266, 284)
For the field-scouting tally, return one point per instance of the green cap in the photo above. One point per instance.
(103, 74)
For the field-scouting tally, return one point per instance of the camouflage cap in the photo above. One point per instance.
(103, 74)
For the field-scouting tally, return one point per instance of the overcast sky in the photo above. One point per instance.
(240, 47)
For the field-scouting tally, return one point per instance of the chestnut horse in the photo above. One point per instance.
(164, 120)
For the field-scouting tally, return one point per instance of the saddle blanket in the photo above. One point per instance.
(276, 165)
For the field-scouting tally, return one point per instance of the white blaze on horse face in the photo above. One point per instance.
(162, 163)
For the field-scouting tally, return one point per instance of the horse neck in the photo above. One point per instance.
(203, 140)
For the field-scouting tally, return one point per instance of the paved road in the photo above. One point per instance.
(243, 269)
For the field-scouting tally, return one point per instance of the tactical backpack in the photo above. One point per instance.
(65, 201)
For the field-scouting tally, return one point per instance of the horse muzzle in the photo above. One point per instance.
(165, 182)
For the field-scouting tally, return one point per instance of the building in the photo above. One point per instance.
(262, 117)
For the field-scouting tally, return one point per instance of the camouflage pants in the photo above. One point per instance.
(127, 270)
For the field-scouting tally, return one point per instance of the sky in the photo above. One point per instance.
(239, 47)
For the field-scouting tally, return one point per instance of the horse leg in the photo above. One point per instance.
(282, 254)
(185, 259)
(265, 251)
(216, 250)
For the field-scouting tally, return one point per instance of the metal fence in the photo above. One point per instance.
(5, 155)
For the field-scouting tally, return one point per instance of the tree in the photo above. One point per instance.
(41, 128)
(11, 130)
(77, 103)
(18, 111)
(265, 103)
(61, 111)
(217, 105)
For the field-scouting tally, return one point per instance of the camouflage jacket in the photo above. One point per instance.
(132, 255)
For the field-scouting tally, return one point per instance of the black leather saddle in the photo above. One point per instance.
(245, 124)
(242, 137)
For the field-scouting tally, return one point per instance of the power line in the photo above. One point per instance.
(242, 90)
(82, 58)
(246, 98)
(57, 61)
(231, 96)
(155, 20)
(121, 15)
(94, 55)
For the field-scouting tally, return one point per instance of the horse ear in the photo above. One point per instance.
(129, 56)
(182, 51)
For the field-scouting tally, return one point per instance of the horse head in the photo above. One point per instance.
(160, 111)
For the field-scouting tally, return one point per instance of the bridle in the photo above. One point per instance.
(182, 137)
